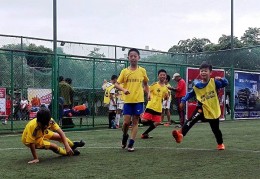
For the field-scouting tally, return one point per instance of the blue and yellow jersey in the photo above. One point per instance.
(157, 94)
(208, 97)
(33, 132)
(133, 81)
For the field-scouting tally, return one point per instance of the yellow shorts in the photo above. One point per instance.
(43, 142)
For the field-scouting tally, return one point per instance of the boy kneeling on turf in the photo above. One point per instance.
(40, 130)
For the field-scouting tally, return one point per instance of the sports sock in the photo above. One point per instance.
(70, 142)
(150, 128)
(131, 143)
(117, 119)
(60, 151)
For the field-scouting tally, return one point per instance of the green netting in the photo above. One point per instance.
(21, 71)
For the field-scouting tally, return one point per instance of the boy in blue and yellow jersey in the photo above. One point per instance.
(40, 130)
(135, 82)
(208, 108)
(158, 93)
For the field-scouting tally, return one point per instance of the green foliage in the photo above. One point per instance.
(225, 42)
(251, 37)
(96, 54)
(194, 45)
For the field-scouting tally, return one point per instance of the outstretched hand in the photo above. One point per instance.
(34, 161)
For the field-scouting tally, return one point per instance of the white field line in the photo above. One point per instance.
(158, 148)
(109, 147)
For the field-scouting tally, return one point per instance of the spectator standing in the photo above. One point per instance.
(227, 105)
(180, 91)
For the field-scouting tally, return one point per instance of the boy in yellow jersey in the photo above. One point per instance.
(208, 108)
(158, 93)
(166, 104)
(135, 82)
(39, 131)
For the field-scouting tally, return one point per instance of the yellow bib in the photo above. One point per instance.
(209, 98)
(107, 94)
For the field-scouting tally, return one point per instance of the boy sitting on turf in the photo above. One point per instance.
(40, 130)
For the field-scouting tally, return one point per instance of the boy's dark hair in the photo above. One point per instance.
(162, 70)
(134, 50)
(68, 80)
(61, 78)
(113, 77)
(44, 116)
(205, 64)
(168, 78)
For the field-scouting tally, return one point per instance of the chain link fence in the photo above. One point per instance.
(29, 74)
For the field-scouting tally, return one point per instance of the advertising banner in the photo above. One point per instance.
(246, 95)
(2, 101)
(193, 74)
(37, 97)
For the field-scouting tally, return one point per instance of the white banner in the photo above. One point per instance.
(37, 97)
(2, 101)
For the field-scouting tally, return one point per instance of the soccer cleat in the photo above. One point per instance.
(177, 135)
(76, 152)
(117, 126)
(124, 141)
(81, 143)
(146, 136)
(221, 147)
(140, 125)
(131, 149)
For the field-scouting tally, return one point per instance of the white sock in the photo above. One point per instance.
(117, 119)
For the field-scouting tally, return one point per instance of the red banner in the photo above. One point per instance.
(193, 74)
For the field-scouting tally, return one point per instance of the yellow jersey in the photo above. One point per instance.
(169, 92)
(107, 94)
(33, 132)
(120, 97)
(157, 94)
(209, 98)
(133, 81)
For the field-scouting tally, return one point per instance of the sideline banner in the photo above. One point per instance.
(246, 95)
(193, 74)
(2, 101)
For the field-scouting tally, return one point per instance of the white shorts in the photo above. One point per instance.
(168, 104)
(120, 106)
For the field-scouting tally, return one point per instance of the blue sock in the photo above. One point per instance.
(131, 143)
